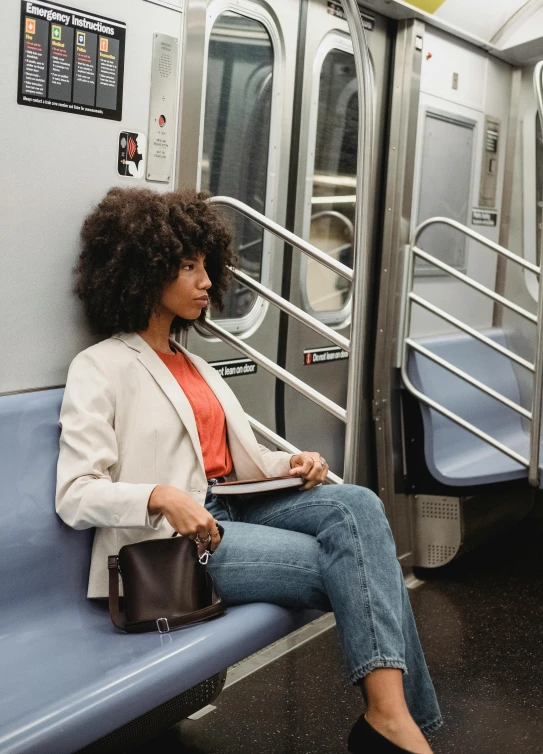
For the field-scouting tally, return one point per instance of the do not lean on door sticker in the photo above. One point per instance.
(132, 150)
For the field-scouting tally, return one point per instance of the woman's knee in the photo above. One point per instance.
(361, 502)
(263, 564)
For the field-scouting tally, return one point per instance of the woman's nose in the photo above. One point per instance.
(205, 283)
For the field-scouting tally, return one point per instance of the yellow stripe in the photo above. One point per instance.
(430, 6)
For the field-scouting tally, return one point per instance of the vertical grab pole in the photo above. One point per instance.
(361, 256)
(535, 434)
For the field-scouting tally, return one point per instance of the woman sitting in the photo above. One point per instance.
(146, 425)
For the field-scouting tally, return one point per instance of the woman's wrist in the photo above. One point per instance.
(158, 499)
(165, 498)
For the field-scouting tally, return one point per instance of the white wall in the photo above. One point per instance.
(54, 167)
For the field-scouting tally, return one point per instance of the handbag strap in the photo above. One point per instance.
(162, 625)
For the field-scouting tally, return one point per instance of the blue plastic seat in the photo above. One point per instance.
(453, 455)
(67, 677)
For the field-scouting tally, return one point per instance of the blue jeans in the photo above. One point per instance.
(328, 548)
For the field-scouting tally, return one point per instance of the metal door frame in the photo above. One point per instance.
(396, 228)
(245, 326)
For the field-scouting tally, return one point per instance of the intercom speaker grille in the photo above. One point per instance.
(440, 554)
(442, 509)
(165, 66)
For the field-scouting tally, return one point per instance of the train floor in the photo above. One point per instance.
(481, 625)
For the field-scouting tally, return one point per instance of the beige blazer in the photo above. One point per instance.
(126, 427)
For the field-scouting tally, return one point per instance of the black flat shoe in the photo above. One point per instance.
(363, 739)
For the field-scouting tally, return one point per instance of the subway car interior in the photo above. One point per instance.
(381, 164)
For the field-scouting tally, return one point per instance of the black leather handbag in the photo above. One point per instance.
(165, 586)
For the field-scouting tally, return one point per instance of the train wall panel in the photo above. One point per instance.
(442, 57)
(465, 84)
(56, 167)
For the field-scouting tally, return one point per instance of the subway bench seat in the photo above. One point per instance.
(67, 677)
(453, 455)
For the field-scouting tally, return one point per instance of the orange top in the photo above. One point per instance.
(208, 412)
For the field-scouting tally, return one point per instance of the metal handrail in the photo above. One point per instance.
(476, 237)
(309, 392)
(474, 284)
(293, 310)
(468, 378)
(286, 235)
(534, 416)
(283, 444)
(286, 306)
(463, 423)
(470, 331)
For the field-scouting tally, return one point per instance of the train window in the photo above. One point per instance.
(236, 137)
(445, 187)
(538, 187)
(333, 180)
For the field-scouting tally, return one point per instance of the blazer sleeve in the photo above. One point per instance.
(277, 462)
(86, 495)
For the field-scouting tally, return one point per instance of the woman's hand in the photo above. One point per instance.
(185, 515)
(311, 466)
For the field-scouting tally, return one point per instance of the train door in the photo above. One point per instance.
(244, 148)
(325, 210)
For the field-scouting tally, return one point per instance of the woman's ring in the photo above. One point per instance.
(323, 462)
(203, 541)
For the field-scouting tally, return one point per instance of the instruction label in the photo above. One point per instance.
(324, 355)
(70, 60)
(335, 9)
(234, 367)
(484, 217)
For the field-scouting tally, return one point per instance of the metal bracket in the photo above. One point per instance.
(163, 626)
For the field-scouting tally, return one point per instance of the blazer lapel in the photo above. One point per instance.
(243, 446)
(168, 384)
(246, 454)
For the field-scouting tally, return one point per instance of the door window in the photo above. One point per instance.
(333, 197)
(236, 137)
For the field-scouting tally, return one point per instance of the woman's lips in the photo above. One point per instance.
(204, 301)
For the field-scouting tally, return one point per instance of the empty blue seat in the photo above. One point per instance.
(67, 677)
(453, 455)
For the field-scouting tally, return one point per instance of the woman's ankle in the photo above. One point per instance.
(390, 722)
(398, 727)
(389, 711)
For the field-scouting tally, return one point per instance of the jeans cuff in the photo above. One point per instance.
(356, 675)
(434, 725)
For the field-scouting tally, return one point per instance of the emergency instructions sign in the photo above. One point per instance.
(70, 60)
